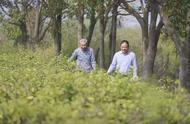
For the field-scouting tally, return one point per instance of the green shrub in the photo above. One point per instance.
(38, 88)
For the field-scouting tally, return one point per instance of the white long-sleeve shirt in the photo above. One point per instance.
(122, 62)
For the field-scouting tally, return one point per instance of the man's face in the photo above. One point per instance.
(83, 45)
(124, 47)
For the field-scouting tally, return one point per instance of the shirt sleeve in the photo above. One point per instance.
(93, 61)
(73, 56)
(134, 63)
(112, 65)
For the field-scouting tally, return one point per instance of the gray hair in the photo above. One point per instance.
(83, 41)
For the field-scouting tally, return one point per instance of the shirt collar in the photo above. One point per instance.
(125, 53)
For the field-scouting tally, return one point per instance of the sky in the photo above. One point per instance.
(128, 21)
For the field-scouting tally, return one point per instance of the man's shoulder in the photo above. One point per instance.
(77, 49)
(118, 53)
(90, 49)
(131, 53)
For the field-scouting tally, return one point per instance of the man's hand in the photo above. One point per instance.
(135, 78)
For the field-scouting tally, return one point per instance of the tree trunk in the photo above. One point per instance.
(34, 37)
(145, 41)
(37, 22)
(184, 55)
(93, 21)
(102, 31)
(184, 68)
(57, 34)
(150, 34)
(103, 16)
(80, 18)
(149, 59)
(23, 38)
(112, 36)
(151, 42)
(183, 48)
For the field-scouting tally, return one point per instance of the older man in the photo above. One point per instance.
(123, 59)
(84, 57)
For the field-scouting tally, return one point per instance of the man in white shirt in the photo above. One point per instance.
(123, 59)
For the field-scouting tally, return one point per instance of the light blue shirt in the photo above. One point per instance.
(121, 62)
(85, 59)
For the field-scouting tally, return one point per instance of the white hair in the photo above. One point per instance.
(83, 41)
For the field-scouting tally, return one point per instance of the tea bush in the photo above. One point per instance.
(38, 88)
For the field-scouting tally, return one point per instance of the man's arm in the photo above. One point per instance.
(112, 65)
(73, 56)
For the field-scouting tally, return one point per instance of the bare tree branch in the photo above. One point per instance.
(142, 5)
(160, 25)
(43, 32)
(4, 11)
(132, 11)
(130, 0)
(16, 5)
(172, 32)
(14, 23)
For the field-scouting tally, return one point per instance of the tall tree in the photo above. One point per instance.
(84, 9)
(112, 36)
(176, 16)
(80, 18)
(37, 24)
(57, 9)
(91, 13)
(15, 13)
(57, 20)
(20, 13)
(150, 30)
(103, 11)
(55, 12)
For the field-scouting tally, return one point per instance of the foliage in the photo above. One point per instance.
(55, 6)
(39, 88)
(10, 31)
(177, 11)
(68, 34)
(10, 16)
(166, 62)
